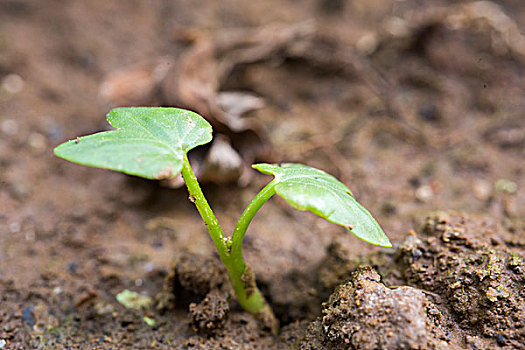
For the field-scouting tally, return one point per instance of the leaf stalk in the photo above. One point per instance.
(240, 274)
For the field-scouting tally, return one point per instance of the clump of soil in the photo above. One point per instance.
(470, 271)
(200, 284)
(365, 314)
(198, 274)
(479, 281)
(210, 313)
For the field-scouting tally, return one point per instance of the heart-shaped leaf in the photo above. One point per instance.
(309, 189)
(149, 142)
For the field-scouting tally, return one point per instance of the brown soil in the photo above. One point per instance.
(453, 285)
(417, 106)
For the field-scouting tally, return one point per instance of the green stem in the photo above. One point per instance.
(246, 218)
(241, 275)
(204, 209)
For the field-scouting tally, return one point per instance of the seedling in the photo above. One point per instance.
(153, 143)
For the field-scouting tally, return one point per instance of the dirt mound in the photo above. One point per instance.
(478, 280)
(365, 314)
(470, 271)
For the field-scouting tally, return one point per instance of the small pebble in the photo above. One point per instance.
(482, 189)
(72, 267)
(14, 227)
(55, 132)
(397, 27)
(501, 340)
(103, 308)
(30, 236)
(389, 208)
(424, 193)
(429, 113)
(416, 254)
(149, 321)
(506, 186)
(13, 83)
(157, 245)
(18, 190)
(133, 300)
(9, 127)
(28, 316)
(149, 266)
(37, 141)
(367, 44)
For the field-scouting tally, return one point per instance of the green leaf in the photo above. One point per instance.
(309, 189)
(148, 142)
(133, 300)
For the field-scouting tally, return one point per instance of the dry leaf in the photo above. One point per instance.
(135, 85)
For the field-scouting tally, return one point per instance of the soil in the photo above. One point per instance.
(417, 106)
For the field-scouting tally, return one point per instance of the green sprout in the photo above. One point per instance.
(153, 143)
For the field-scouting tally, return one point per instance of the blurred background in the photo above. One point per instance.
(417, 106)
